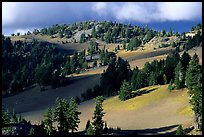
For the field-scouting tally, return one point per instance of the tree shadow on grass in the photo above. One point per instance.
(142, 92)
(149, 131)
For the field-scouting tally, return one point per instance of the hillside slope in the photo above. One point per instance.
(156, 109)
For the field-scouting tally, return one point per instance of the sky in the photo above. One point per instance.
(26, 16)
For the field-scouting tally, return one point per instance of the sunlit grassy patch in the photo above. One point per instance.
(157, 93)
(186, 110)
(16, 38)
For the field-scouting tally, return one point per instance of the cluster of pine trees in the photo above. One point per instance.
(110, 32)
(64, 114)
(26, 63)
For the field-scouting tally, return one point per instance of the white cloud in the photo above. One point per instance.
(100, 8)
(180, 11)
(22, 15)
(153, 11)
(135, 11)
(7, 14)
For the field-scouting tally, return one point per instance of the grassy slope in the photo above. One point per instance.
(157, 93)
(158, 108)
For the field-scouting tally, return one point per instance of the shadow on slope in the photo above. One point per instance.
(142, 92)
(34, 100)
(167, 130)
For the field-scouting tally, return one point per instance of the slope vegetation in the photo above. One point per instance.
(156, 107)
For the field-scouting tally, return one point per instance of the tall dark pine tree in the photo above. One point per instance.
(192, 73)
(134, 76)
(185, 59)
(194, 85)
(73, 115)
(82, 38)
(93, 32)
(196, 101)
(98, 122)
(60, 115)
(153, 78)
(48, 122)
(179, 76)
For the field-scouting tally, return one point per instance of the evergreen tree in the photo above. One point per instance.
(173, 44)
(125, 91)
(90, 130)
(134, 74)
(108, 37)
(153, 78)
(180, 130)
(48, 122)
(73, 115)
(88, 123)
(195, 58)
(98, 122)
(194, 85)
(148, 36)
(31, 131)
(185, 59)
(105, 128)
(82, 38)
(163, 33)
(170, 32)
(179, 76)
(193, 74)
(61, 115)
(6, 119)
(93, 32)
(124, 45)
(196, 101)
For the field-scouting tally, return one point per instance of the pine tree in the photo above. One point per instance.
(152, 78)
(185, 59)
(98, 122)
(31, 131)
(61, 115)
(5, 116)
(48, 122)
(87, 125)
(192, 74)
(93, 32)
(180, 130)
(163, 33)
(125, 91)
(90, 130)
(179, 76)
(124, 45)
(196, 101)
(194, 85)
(82, 38)
(170, 32)
(14, 117)
(105, 128)
(73, 115)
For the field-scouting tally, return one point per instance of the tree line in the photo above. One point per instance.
(66, 116)
(176, 71)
